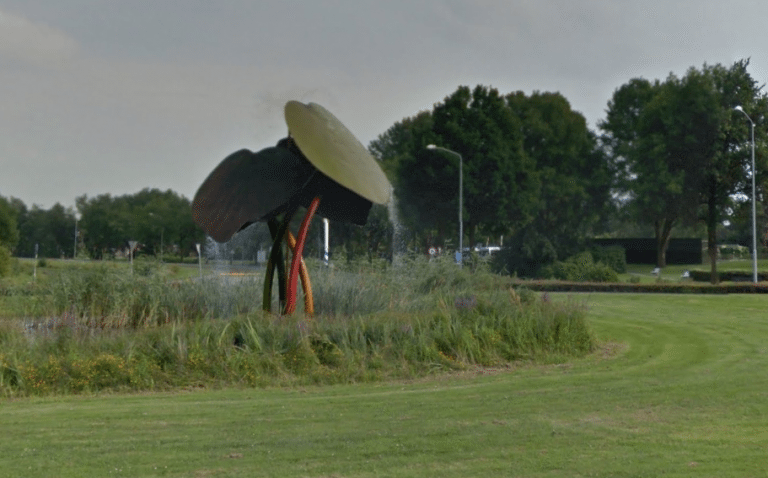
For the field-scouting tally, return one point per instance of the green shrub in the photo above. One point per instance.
(581, 268)
(534, 254)
(613, 256)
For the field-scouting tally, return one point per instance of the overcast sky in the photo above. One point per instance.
(110, 96)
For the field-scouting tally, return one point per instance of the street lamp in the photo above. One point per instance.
(754, 213)
(461, 198)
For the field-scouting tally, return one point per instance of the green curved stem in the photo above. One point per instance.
(277, 230)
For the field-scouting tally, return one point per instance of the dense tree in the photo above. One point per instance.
(661, 135)
(728, 170)
(573, 197)
(103, 226)
(532, 171)
(683, 149)
(52, 230)
(499, 180)
(150, 217)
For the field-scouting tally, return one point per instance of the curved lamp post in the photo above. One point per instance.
(320, 166)
(754, 213)
(461, 197)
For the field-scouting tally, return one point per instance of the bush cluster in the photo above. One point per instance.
(581, 268)
(614, 257)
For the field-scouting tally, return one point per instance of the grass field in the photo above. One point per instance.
(678, 389)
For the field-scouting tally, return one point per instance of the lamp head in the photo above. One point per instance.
(738, 108)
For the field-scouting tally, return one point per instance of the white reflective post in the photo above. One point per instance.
(199, 259)
(326, 248)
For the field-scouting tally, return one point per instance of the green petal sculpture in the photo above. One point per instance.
(335, 151)
(320, 166)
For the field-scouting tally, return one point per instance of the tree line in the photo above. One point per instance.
(669, 154)
(101, 226)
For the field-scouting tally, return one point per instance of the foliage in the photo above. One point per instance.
(657, 134)
(422, 198)
(733, 251)
(500, 181)
(9, 233)
(680, 146)
(137, 333)
(581, 268)
(614, 257)
(532, 172)
(531, 252)
(725, 172)
(157, 220)
(51, 230)
(5, 261)
(477, 125)
(575, 180)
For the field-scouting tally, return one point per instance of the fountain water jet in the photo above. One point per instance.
(399, 246)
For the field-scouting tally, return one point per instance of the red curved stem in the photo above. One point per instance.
(290, 300)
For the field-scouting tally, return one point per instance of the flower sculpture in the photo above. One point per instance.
(320, 166)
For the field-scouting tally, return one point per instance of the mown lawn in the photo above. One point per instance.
(679, 389)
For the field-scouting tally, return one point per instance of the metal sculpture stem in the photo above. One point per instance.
(279, 231)
(309, 303)
(290, 304)
(276, 260)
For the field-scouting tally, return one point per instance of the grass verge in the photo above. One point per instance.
(676, 390)
(112, 332)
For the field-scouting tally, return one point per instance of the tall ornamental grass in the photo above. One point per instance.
(145, 333)
(108, 297)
